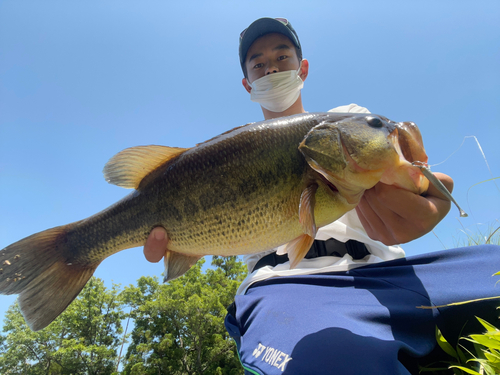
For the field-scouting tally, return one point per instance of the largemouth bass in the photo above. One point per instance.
(248, 190)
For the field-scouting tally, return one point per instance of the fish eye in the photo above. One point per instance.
(374, 122)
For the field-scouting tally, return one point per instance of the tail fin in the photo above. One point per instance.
(39, 269)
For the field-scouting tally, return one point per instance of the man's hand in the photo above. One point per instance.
(156, 245)
(395, 216)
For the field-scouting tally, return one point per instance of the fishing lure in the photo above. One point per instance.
(438, 184)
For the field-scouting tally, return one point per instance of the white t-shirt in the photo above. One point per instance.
(348, 227)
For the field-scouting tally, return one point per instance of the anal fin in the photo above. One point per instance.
(177, 264)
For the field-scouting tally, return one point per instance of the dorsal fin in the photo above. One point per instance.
(130, 166)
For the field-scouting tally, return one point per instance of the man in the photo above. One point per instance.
(390, 215)
(350, 307)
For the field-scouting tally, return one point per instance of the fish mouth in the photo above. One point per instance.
(408, 145)
(407, 141)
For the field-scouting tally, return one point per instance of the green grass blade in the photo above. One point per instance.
(445, 345)
(487, 341)
(489, 327)
(466, 370)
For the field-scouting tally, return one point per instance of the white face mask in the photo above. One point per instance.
(277, 91)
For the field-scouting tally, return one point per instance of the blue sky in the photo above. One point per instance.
(80, 81)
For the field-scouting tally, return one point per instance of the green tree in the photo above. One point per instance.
(83, 340)
(179, 326)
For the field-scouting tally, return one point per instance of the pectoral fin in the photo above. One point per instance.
(306, 210)
(298, 248)
(177, 264)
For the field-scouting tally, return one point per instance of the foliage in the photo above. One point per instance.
(485, 360)
(491, 236)
(83, 340)
(488, 347)
(457, 356)
(179, 326)
(485, 357)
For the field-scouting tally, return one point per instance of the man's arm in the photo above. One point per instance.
(395, 216)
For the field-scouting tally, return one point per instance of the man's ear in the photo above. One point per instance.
(246, 85)
(304, 69)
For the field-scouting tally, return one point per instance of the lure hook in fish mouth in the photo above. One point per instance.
(426, 171)
(217, 198)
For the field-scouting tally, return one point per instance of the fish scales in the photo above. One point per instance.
(247, 190)
(249, 180)
(216, 199)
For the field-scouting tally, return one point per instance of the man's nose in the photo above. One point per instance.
(271, 69)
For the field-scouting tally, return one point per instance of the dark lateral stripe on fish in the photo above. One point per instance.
(217, 198)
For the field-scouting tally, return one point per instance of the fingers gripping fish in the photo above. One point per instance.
(219, 198)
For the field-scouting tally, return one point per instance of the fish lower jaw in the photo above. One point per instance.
(351, 196)
(406, 177)
(332, 188)
(348, 193)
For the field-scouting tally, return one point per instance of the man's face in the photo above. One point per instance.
(269, 54)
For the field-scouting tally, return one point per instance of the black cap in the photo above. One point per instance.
(265, 26)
